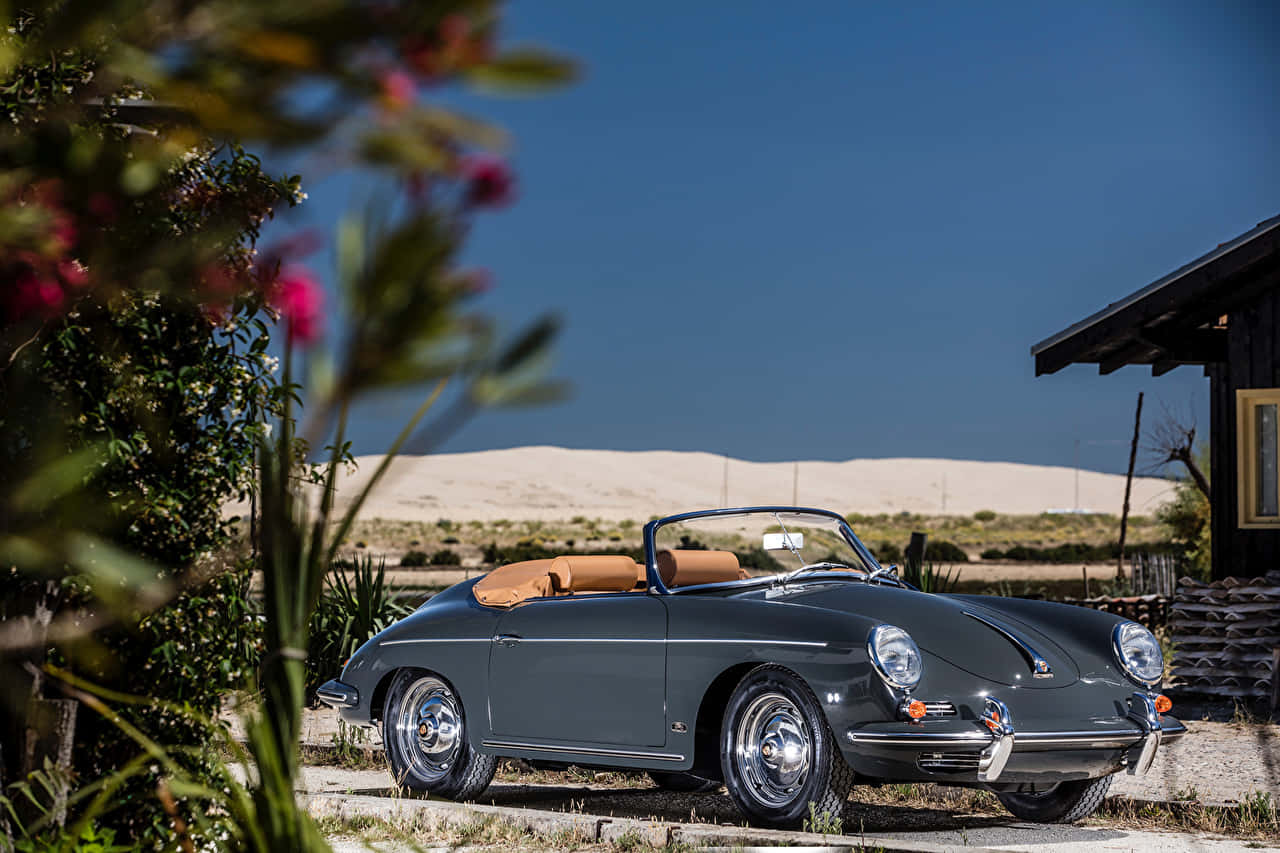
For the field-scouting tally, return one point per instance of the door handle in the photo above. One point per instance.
(507, 640)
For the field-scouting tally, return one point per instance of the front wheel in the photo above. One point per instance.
(780, 760)
(1066, 802)
(424, 734)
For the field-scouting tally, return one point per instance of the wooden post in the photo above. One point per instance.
(1128, 487)
(915, 550)
(1084, 574)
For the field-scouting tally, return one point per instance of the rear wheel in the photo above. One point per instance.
(424, 734)
(682, 782)
(778, 754)
(1066, 802)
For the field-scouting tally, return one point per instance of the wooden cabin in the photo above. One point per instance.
(1219, 312)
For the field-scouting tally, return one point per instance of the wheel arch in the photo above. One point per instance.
(706, 733)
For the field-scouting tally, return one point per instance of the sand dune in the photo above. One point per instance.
(557, 483)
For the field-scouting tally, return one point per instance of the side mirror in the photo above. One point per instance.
(783, 541)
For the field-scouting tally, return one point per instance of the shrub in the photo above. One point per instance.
(450, 540)
(888, 553)
(355, 605)
(758, 558)
(942, 551)
(414, 559)
(984, 515)
(446, 557)
(993, 554)
(445, 524)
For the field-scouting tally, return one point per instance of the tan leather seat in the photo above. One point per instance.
(602, 573)
(688, 568)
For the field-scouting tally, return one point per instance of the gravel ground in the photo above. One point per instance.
(1215, 762)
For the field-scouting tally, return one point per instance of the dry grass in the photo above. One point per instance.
(394, 537)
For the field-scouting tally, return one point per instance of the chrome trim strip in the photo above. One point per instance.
(580, 750)
(1039, 666)
(991, 761)
(1110, 738)
(678, 641)
(433, 640)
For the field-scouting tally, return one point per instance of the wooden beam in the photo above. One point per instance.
(1163, 366)
(1127, 354)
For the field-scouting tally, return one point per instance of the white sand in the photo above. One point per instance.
(553, 483)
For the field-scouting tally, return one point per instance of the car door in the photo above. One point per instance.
(589, 668)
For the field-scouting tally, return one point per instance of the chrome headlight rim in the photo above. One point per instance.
(874, 640)
(1117, 647)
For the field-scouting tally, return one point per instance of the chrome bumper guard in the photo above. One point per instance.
(1001, 738)
(338, 695)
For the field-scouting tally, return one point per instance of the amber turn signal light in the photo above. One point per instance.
(1163, 704)
(916, 709)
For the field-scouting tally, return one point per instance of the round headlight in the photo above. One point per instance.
(895, 656)
(1138, 653)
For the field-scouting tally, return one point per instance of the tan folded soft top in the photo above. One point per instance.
(507, 586)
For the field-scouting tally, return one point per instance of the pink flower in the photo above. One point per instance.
(398, 89)
(490, 182)
(34, 294)
(72, 274)
(300, 298)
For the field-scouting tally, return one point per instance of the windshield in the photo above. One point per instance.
(767, 542)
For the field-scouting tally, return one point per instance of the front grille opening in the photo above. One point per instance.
(948, 762)
(939, 709)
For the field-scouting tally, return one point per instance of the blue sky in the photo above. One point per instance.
(833, 230)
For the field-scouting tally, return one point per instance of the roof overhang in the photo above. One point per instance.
(1177, 319)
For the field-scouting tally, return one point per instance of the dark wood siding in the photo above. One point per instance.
(1253, 361)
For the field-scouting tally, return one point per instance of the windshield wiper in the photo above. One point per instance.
(855, 574)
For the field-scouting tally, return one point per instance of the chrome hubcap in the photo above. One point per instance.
(428, 728)
(772, 749)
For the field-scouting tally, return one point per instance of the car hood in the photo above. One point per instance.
(977, 638)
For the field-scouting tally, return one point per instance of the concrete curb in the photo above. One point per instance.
(599, 829)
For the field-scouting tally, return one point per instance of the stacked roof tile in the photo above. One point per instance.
(1224, 635)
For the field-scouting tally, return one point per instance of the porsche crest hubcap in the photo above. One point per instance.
(772, 749)
(428, 728)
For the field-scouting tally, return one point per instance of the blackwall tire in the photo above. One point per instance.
(424, 735)
(1068, 802)
(778, 754)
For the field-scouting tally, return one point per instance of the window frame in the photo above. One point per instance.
(1247, 471)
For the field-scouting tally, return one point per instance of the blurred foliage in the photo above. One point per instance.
(930, 577)
(134, 315)
(356, 604)
(1186, 519)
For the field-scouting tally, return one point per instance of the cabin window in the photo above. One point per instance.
(1258, 449)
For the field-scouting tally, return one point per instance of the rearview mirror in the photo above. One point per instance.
(778, 541)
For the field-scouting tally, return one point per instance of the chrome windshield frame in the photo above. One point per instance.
(655, 584)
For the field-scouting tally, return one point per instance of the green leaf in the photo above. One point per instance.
(527, 69)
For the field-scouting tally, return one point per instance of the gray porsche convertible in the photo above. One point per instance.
(764, 648)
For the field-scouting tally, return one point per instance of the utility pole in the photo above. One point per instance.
(944, 493)
(724, 488)
(1128, 486)
(795, 484)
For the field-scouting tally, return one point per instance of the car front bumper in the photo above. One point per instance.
(982, 751)
(336, 694)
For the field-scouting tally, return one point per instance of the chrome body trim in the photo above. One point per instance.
(1142, 710)
(580, 750)
(512, 639)
(1039, 666)
(991, 762)
(1100, 739)
(338, 695)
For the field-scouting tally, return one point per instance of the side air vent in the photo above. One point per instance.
(949, 762)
